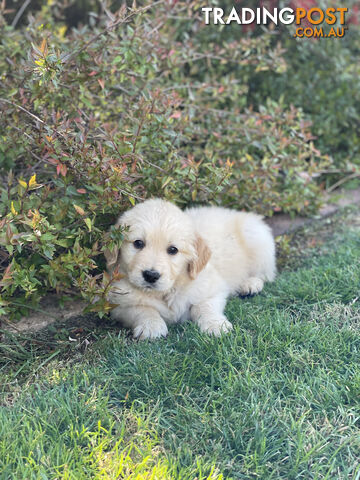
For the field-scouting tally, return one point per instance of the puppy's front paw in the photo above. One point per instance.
(154, 329)
(216, 326)
(252, 286)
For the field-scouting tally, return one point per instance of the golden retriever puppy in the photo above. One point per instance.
(184, 264)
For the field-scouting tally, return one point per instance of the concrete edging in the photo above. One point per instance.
(283, 223)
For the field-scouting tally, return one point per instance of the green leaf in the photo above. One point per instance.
(88, 223)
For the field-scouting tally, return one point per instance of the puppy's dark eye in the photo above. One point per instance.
(172, 250)
(139, 244)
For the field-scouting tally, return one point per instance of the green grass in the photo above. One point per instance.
(278, 398)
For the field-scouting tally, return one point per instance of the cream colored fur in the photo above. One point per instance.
(221, 252)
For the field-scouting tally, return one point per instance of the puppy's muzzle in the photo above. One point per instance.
(150, 276)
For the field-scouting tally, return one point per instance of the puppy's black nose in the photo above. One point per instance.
(151, 275)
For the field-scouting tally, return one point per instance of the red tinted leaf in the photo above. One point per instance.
(176, 114)
(63, 170)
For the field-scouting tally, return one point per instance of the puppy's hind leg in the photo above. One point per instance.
(209, 316)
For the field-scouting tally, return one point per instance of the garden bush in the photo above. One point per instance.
(322, 77)
(139, 102)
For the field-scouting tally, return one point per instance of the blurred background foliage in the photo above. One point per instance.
(104, 104)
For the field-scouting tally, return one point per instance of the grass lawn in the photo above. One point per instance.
(278, 398)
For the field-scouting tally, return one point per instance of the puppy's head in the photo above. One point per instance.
(160, 247)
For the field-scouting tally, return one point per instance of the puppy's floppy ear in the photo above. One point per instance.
(111, 258)
(202, 256)
(111, 255)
